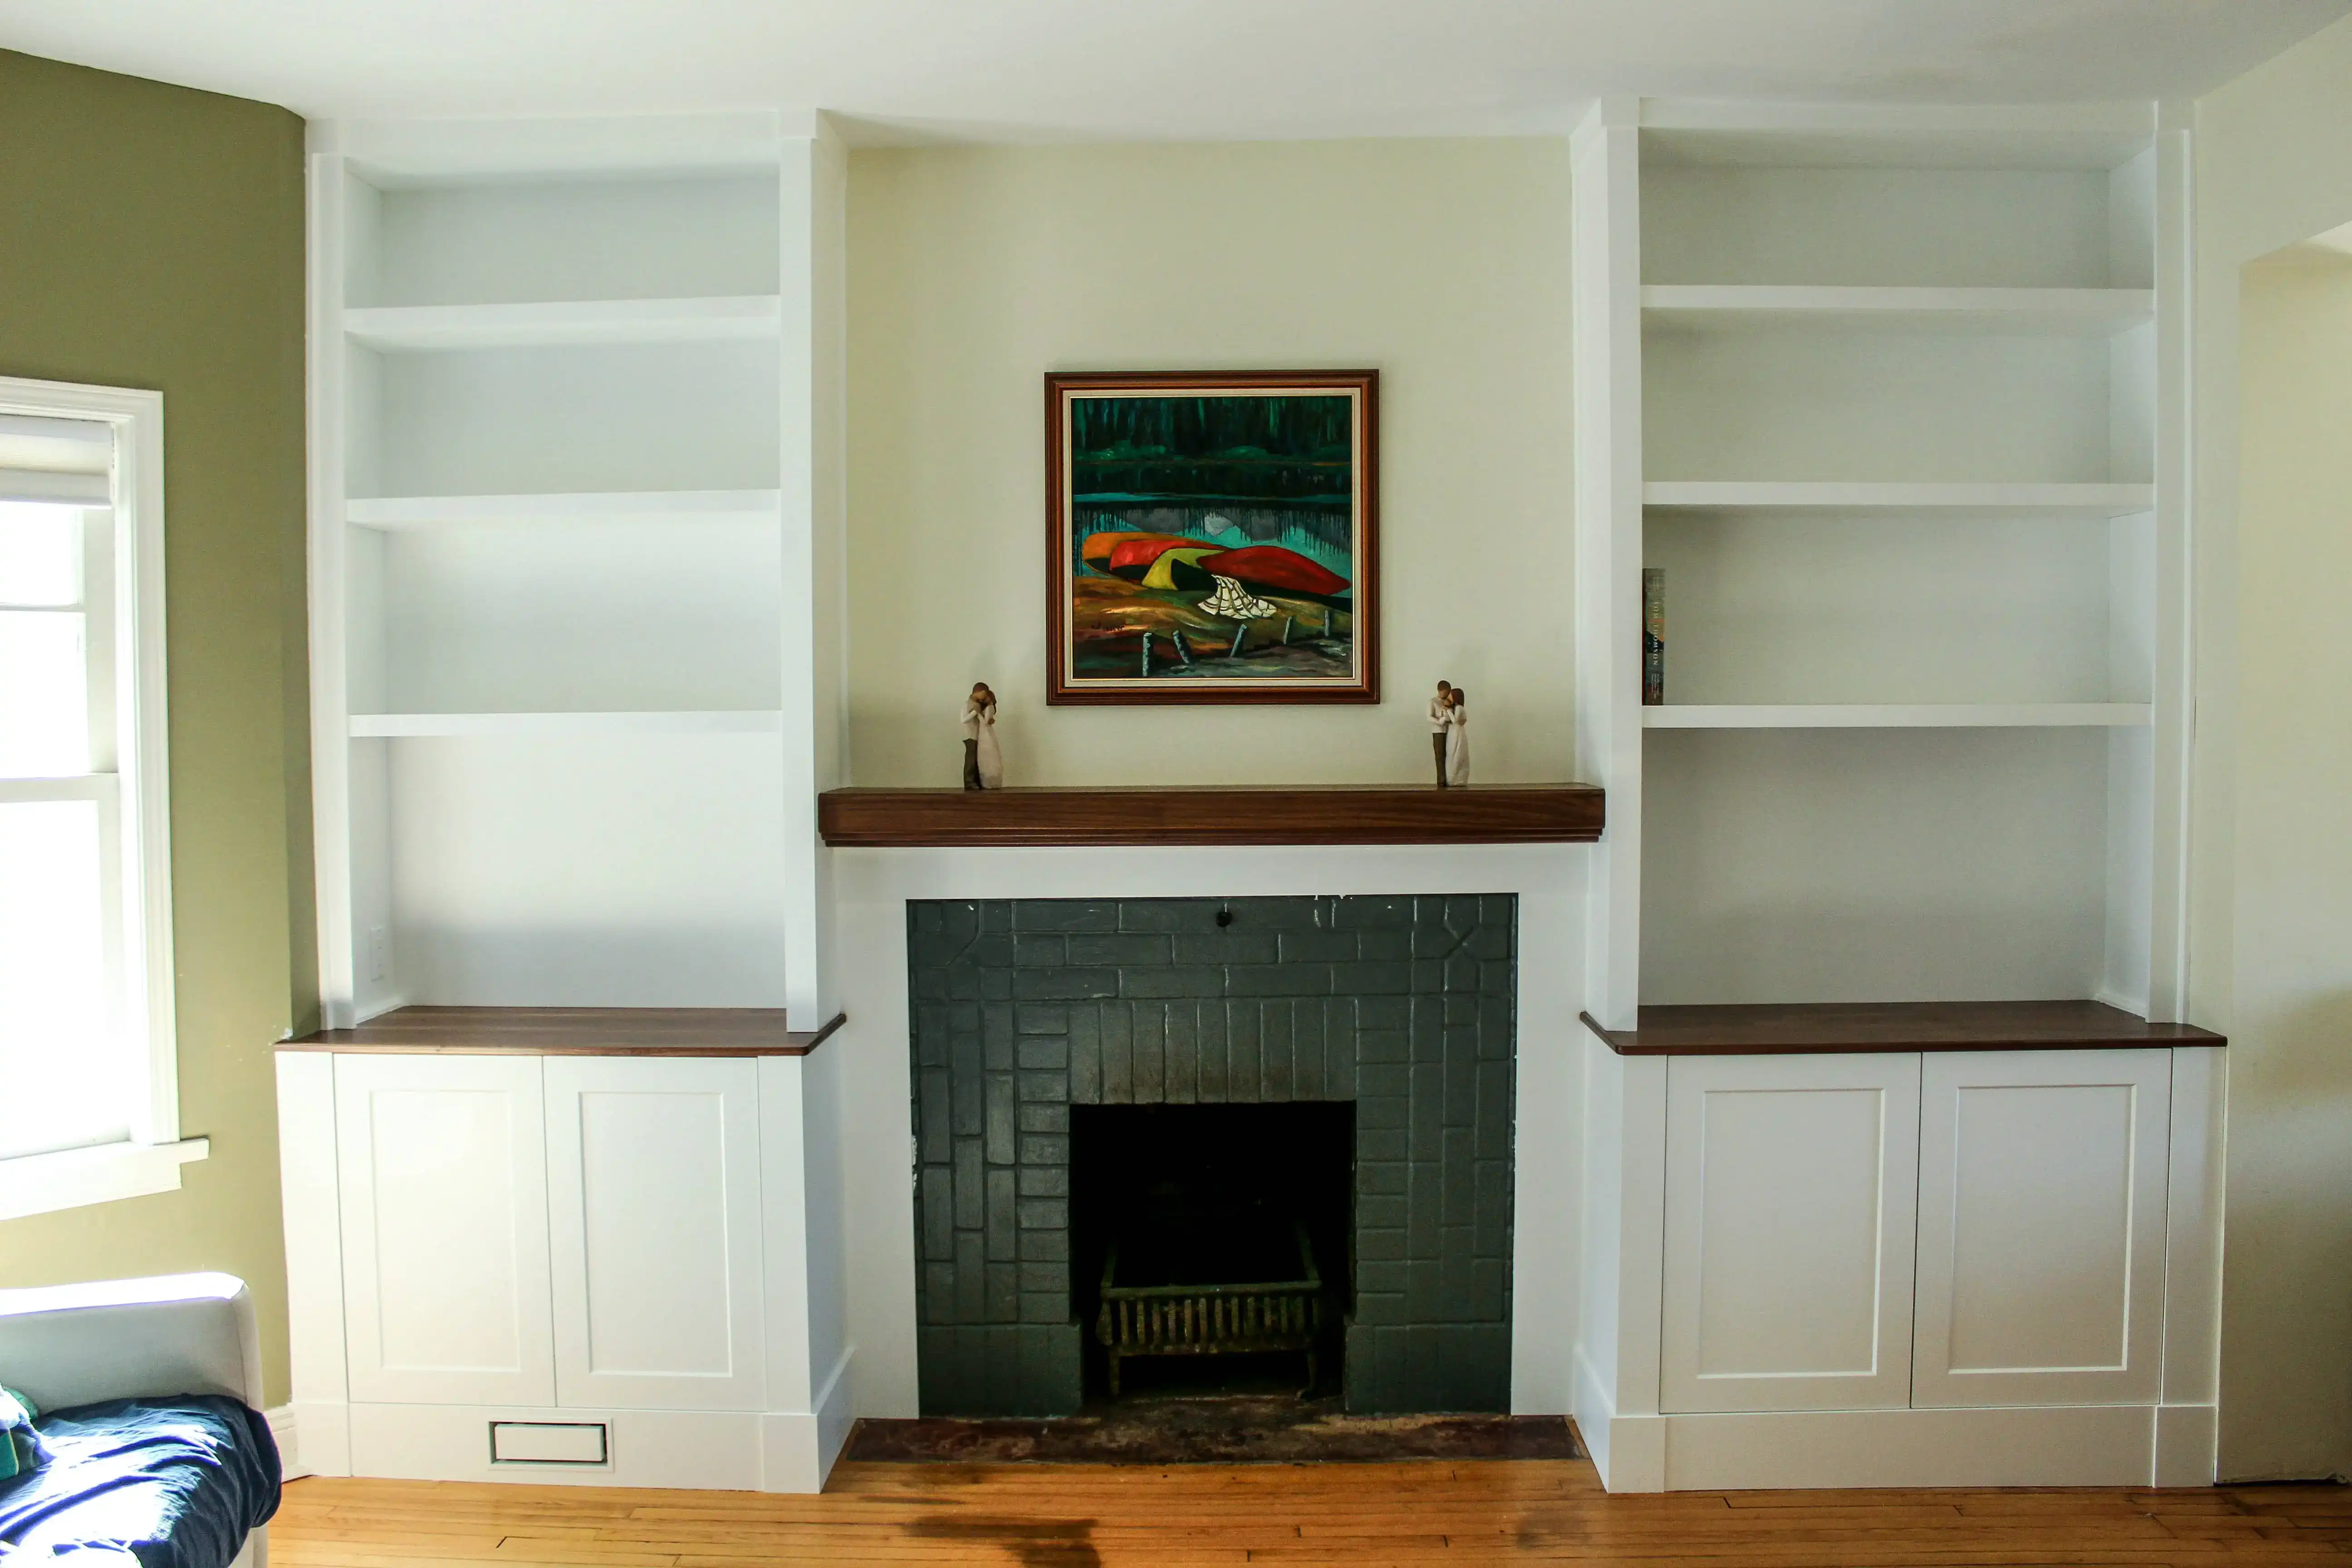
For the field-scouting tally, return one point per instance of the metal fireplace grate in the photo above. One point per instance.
(1214, 1320)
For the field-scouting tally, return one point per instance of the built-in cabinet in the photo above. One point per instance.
(548, 1266)
(578, 423)
(1894, 399)
(1890, 1230)
(557, 1231)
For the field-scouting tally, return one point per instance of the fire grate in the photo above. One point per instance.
(1214, 1320)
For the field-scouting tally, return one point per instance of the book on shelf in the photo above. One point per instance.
(1653, 637)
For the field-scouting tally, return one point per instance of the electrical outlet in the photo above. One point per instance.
(379, 953)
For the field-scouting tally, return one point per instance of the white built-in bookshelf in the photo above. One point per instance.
(574, 554)
(1893, 398)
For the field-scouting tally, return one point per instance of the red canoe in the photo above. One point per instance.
(1096, 550)
(1269, 568)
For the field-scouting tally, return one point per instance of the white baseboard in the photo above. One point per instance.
(321, 1431)
(2067, 1445)
(1630, 1451)
(2188, 1444)
(797, 1450)
(2073, 1446)
(285, 1433)
(694, 1449)
(1590, 1404)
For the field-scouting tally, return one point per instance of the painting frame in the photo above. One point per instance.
(1066, 684)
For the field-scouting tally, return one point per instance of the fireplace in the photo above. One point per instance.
(1383, 1028)
(1213, 1245)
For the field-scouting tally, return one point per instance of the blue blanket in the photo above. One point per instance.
(166, 1483)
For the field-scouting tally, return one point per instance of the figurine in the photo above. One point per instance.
(1457, 737)
(1440, 707)
(983, 765)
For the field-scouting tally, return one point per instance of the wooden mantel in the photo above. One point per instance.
(1211, 814)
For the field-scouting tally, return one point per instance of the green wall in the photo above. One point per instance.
(151, 237)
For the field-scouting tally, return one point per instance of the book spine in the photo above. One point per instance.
(1653, 637)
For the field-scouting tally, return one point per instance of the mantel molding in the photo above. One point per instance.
(868, 817)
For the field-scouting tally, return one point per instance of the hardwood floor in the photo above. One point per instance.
(1051, 1516)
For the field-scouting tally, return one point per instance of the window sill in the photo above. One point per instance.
(41, 1183)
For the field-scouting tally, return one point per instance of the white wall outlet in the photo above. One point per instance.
(379, 952)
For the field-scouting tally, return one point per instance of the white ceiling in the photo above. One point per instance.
(1118, 70)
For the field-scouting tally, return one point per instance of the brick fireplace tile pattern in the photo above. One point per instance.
(1402, 1004)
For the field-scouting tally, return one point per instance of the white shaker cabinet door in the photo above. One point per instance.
(2041, 1183)
(442, 1172)
(1789, 1190)
(654, 1198)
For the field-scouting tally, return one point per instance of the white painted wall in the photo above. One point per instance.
(2272, 876)
(976, 270)
(875, 1092)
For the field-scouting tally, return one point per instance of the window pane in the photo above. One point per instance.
(65, 1077)
(44, 695)
(40, 554)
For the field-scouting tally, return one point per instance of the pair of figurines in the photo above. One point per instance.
(1449, 734)
(983, 765)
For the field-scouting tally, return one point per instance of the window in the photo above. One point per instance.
(89, 1092)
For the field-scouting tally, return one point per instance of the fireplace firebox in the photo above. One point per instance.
(1213, 1243)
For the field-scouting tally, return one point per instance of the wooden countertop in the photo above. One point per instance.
(1818, 1028)
(573, 1031)
(1212, 814)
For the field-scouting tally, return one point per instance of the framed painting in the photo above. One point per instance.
(1212, 537)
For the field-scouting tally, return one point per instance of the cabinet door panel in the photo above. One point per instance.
(655, 1202)
(2041, 1227)
(444, 1198)
(1789, 1190)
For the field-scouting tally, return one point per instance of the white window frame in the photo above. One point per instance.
(150, 1161)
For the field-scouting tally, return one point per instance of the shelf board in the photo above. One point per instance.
(677, 721)
(2089, 311)
(1894, 715)
(1946, 499)
(551, 323)
(1918, 136)
(665, 507)
(1792, 1028)
(1212, 814)
(573, 1031)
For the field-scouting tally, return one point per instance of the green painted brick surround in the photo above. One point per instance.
(1403, 1004)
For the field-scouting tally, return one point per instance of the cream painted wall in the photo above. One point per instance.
(1444, 264)
(2271, 940)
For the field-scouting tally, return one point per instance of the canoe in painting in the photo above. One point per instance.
(1190, 565)
(1181, 568)
(1133, 557)
(1271, 569)
(1098, 547)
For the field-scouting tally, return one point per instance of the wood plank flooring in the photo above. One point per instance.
(1056, 1516)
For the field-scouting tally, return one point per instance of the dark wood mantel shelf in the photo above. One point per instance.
(575, 1032)
(1799, 1028)
(866, 817)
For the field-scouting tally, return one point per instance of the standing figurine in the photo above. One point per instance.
(1440, 707)
(983, 765)
(1457, 737)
